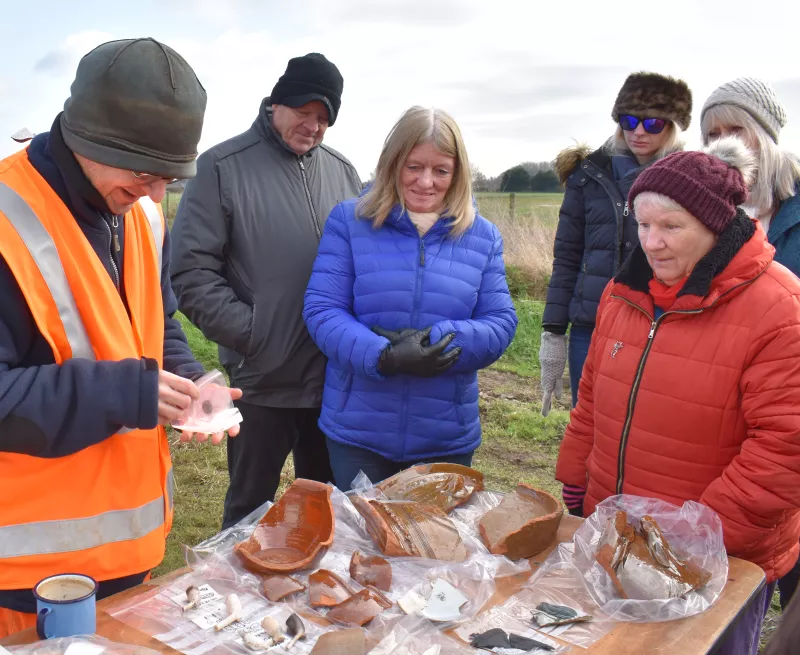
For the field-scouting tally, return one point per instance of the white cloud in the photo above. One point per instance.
(523, 79)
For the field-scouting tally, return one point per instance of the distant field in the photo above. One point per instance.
(528, 234)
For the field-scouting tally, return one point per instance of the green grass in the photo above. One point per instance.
(529, 198)
(522, 356)
(170, 205)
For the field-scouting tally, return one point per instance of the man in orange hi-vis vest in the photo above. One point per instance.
(92, 362)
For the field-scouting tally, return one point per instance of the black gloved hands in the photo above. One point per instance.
(411, 352)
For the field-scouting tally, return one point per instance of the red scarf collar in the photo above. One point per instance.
(663, 295)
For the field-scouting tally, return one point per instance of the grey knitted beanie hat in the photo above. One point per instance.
(136, 104)
(756, 97)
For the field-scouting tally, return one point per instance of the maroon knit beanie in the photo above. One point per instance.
(708, 184)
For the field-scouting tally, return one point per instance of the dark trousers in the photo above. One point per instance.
(257, 455)
(743, 635)
(788, 583)
(347, 461)
(580, 336)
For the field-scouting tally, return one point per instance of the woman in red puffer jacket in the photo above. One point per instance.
(691, 390)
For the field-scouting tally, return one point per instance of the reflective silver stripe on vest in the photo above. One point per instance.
(66, 536)
(43, 250)
(156, 225)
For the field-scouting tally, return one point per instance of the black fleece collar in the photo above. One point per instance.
(636, 272)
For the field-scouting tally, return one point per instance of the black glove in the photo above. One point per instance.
(393, 336)
(576, 511)
(415, 355)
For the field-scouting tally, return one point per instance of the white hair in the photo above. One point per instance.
(778, 171)
(654, 200)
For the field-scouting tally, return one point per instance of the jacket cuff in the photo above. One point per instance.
(555, 329)
(372, 356)
(148, 395)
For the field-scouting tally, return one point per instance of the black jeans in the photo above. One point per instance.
(788, 584)
(257, 455)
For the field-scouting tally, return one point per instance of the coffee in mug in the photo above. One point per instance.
(65, 588)
(65, 605)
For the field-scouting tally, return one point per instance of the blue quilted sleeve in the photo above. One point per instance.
(484, 337)
(328, 306)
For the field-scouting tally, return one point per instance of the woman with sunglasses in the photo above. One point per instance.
(596, 228)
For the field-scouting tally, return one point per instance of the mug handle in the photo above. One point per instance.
(41, 618)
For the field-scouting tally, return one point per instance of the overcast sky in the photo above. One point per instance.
(522, 78)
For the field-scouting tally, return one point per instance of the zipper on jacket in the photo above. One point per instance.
(314, 220)
(654, 323)
(113, 246)
(607, 182)
(414, 310)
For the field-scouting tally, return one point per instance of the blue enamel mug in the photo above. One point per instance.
(65, 606)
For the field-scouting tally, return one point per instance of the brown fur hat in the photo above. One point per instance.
(650, 95)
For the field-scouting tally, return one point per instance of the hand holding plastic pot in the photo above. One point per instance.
(211, 411)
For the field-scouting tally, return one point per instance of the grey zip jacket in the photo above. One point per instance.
(244, 242)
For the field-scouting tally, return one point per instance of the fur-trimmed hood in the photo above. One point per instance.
(568, 159)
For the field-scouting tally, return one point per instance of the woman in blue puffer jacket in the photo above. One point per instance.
(408, 299)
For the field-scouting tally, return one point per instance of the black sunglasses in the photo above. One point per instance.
(651, 125)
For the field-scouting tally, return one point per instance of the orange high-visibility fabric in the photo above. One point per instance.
(11, 622)
(126, 471)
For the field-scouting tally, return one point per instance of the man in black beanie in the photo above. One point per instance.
(93, 363)
(246, 236)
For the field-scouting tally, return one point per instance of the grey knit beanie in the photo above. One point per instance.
(136, 104)
(756, 97)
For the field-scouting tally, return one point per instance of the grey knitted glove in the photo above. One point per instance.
(553, 361)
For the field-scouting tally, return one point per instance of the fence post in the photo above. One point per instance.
(512, 205)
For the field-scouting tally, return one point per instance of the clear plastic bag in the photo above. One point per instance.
(83, 645)
(496, 618)
(213, 411)
(563, 585)
(694, 534)
(415, 636)
(161, 615)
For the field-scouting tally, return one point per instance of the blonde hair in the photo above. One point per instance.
(418, 126)
(777, 171)
(672, 144)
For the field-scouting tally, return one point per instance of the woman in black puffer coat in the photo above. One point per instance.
(596, 229)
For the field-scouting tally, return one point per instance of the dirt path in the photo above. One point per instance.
(519, 445)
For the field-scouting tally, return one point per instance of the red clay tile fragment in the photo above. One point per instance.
(409, 529)
(445, 486)
(361, 608)
(523, 524)
(277, 587)
(326, 589)
(371, 570)
(294, 534)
